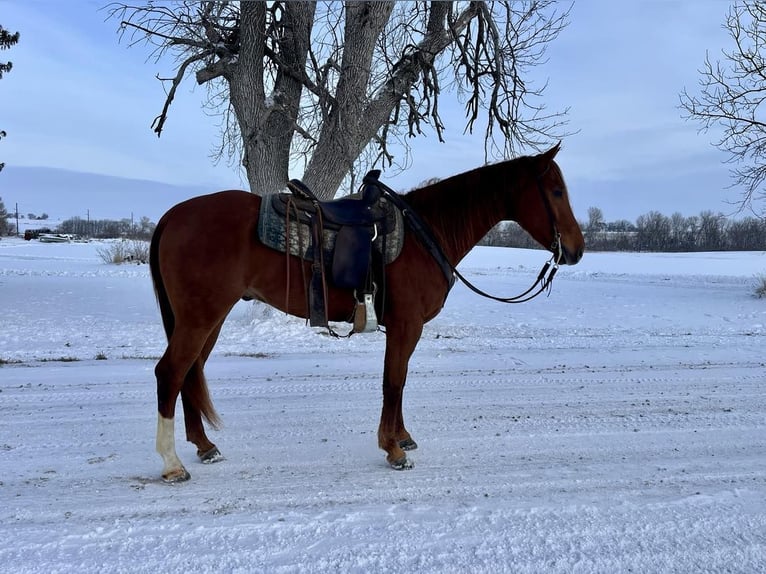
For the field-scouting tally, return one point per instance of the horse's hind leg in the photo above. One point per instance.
(194, 387)
(183, 351)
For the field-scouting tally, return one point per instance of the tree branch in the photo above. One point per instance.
(159, 121)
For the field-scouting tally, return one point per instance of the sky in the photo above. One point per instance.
(79, 99)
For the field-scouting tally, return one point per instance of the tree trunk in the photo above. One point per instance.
(339, 140)
(266, 123)
(356, 118)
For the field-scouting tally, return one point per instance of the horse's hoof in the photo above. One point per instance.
(211, 456)
(177, 475)
(403, 463)
(408, 444)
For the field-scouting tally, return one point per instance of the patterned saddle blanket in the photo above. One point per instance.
(282, 210)
(357, 235)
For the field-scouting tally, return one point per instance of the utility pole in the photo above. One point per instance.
(18, 231)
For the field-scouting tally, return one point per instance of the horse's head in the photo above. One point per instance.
(541, 207)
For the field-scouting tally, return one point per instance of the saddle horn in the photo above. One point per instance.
(371, 191)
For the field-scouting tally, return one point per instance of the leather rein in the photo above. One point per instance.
(425, 235)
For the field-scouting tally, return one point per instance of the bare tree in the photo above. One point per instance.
(653, 231)
(711, 234)
(4, 225)
(680, 236)
(596, 221)
(331, 86)
(594, 229)
(731, 95)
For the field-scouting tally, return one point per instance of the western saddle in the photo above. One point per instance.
(357, 221)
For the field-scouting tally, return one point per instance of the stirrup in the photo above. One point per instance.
(365, 319)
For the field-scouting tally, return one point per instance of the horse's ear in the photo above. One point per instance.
(551, 153)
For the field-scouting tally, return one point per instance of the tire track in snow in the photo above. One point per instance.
(630, 468)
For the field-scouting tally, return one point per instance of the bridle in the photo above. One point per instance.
(544, 280)
(556, 247)
(425, 235)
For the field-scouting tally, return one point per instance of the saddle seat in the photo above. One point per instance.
(362, 209)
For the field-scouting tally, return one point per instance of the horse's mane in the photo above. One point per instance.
(469, 198)
(436, 186)
(430, 181)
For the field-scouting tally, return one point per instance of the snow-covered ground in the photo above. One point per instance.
(617, 426)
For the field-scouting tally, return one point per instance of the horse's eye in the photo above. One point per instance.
(558, 192)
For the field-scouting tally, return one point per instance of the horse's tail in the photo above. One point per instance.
(168, 319)
(195, 387)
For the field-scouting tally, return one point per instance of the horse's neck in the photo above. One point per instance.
(461, 210)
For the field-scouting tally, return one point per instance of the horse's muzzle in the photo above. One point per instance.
(571, 257)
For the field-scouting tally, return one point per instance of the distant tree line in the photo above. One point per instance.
(653, 231)
(97, 228)
(107, 228)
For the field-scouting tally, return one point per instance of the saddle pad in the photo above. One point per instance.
(272, 232)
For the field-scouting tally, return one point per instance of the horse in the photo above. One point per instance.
(205, 256)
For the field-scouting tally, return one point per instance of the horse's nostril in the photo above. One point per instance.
(572, 257)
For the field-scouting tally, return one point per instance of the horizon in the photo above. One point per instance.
(58, 206)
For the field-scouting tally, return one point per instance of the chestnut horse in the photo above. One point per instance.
(206, 255)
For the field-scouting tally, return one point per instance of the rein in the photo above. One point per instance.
(425, 235)
(544, 280)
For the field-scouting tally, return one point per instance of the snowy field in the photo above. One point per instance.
(617, 426)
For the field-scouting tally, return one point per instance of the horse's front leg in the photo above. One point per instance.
(392, 434)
